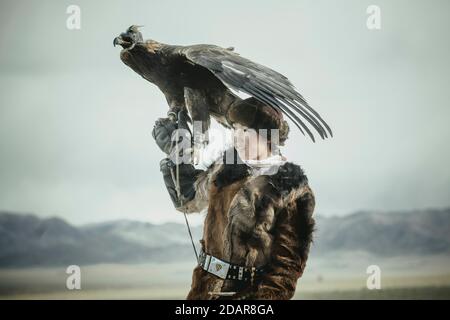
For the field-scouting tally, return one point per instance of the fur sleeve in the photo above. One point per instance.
(292, 239)
(201, 187)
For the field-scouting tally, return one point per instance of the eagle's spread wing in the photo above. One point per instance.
(263, 83)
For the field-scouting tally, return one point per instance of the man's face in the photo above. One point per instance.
(248, 143)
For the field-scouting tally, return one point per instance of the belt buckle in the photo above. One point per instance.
(218, 267)
(202, 258)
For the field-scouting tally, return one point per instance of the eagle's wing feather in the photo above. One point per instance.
(261, 82)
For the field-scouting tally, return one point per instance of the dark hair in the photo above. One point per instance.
(256, 115)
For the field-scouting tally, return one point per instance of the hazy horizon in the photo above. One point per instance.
(196, 219)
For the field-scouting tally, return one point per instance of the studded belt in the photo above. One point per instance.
(226, 270)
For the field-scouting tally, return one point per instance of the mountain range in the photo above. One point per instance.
(26, 240)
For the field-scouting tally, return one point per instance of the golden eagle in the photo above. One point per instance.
(200, 78)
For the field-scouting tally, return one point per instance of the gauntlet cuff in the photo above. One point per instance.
(187, 178)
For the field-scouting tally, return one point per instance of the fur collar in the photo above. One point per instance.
(231, 172)
(288, 177)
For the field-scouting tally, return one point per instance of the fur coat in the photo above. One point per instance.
(253, 221)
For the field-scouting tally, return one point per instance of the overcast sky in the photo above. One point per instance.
(75, 122)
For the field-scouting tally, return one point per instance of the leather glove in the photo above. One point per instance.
(162, 133)
(165, 128)
(187, 176)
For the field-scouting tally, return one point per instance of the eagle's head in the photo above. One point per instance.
(129, 38)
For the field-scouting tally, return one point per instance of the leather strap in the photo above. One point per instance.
(226, 270)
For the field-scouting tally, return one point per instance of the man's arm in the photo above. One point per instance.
(194, 183)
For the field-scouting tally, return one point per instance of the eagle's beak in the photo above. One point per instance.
(124, 40)
(117, 41)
